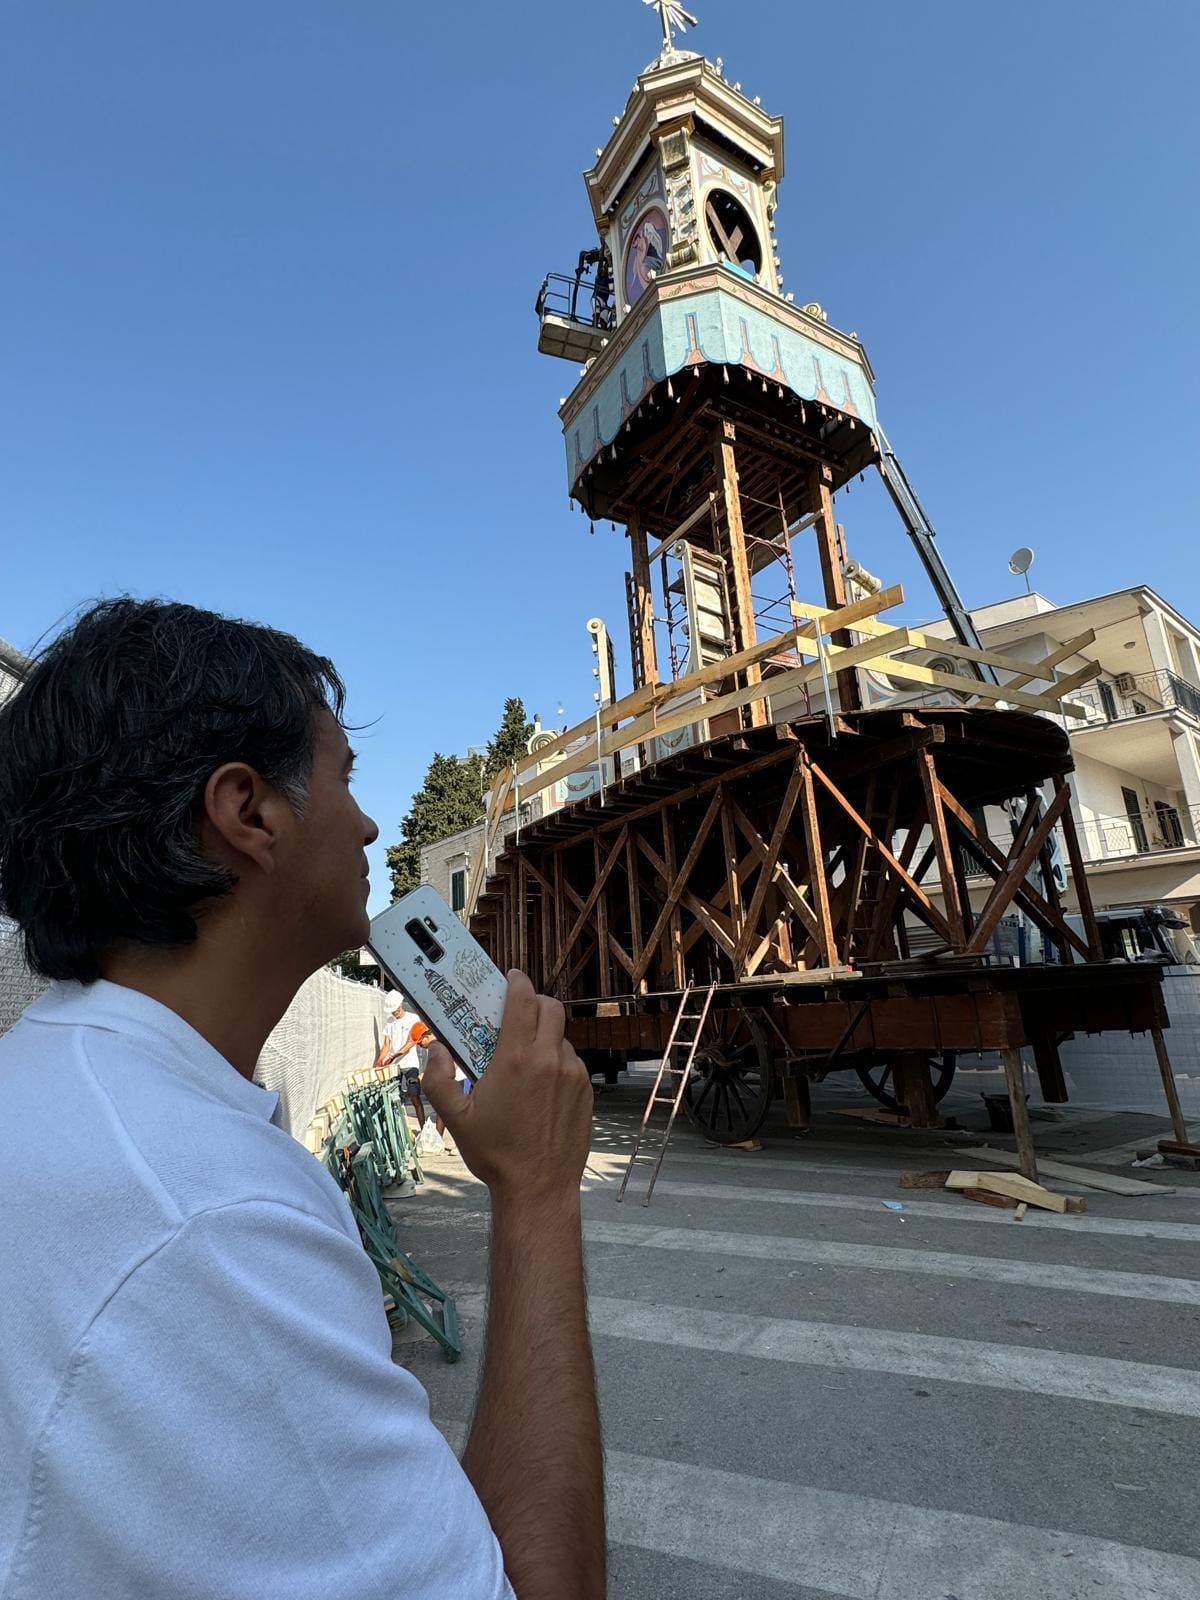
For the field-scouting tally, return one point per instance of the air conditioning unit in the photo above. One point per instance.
(1126, 682)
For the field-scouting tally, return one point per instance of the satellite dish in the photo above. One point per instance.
(1020, 561)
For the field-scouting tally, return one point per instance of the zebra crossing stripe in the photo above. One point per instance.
(893, 1258)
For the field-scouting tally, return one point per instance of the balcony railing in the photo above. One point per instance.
(1154, 830)
(1137, 694)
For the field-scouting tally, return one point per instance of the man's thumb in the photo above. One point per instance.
(440, 1085)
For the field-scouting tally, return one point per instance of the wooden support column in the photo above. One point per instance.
(602, 956)
(829, 555)
(730, 506)
(797, 1097)
(522, 887)
(1083, 892)
(1020, 1113)
(641, 621)
(732, 885)
(673, 960)
(635, 907)
(816, 862)
(941, 844)
(1169, 1088)
(560, 917)
(1049, 1069)
(914, 1088)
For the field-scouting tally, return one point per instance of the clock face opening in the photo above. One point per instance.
(731, 231)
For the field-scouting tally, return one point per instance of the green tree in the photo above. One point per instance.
(349, 965)
(449, 799)
(511, 740)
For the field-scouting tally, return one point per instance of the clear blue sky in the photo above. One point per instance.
(267, 344)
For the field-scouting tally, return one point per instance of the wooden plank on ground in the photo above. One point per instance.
(1011, 1184)
(1108, 1182)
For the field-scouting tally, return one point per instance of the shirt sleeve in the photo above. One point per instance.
(233, 1426)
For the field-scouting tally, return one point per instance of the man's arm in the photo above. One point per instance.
(534, 1452)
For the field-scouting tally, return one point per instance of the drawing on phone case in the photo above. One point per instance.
(479, 1036)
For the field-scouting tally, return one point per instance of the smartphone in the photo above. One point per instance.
(445, 976)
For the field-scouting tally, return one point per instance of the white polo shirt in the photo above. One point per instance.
(197, 1396)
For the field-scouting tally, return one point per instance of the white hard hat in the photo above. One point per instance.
(393, 1000)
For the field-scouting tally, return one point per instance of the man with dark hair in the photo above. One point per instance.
(197, 1397)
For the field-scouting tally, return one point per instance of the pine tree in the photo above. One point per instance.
(449, 799)
(512, 738)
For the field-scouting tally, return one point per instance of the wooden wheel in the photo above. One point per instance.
(878, 1080)
(729, 1092)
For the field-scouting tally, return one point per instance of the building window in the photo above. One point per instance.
(1108, 701)
(1169, 825)
(458, 888)
(1137, 825)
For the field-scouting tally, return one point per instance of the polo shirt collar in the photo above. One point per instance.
(115, 1009)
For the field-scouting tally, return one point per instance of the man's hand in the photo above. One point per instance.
(524, 1128)
(534, 1451)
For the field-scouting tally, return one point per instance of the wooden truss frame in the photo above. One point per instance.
(648, 713)
(794, 860)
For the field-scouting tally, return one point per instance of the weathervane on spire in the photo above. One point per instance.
(673, 16)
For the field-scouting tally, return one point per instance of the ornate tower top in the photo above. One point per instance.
(675, 18)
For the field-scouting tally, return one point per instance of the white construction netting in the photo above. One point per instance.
(332, 1028)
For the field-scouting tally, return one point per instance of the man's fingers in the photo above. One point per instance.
(440, 1085)
(520, 1024)
(551, 1019)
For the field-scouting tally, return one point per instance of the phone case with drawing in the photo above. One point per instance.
(446, 977)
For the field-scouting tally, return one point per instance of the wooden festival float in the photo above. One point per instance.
(776, 863)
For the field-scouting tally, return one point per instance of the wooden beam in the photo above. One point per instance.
(882, 755)
(1040, 671)
(1016, 868)
(641, 700)
(589, 905)
(604, 972)
(793, 892)
(732, 885)
(673, 965)
(635, 904)
(1079, 878)
(1026, 1155)
(941, 845)
(816, 860)
(921, 900)
(642, 622)
(1170, 1088)
(729, 504)
(703, 510)
(962, 652)
(712, 923)
(829, 556)
(911, 672)
(677, 884)
(766, 874)
(652, 723)
(996, 863)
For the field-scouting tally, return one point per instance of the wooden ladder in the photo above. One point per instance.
(679, 1076)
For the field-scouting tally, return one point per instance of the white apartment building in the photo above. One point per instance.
(1137, 747)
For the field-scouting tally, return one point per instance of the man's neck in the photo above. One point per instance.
(222, 986)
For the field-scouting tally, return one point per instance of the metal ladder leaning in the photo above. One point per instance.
(667, 1068)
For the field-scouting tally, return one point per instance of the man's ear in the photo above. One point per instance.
(245, 815)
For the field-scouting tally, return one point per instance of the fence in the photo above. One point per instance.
(1137, 694)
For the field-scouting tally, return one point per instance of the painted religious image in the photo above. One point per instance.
(646, 253)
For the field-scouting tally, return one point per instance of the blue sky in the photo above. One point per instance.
(268, 342)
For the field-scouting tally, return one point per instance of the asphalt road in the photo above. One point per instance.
(809, 1395)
